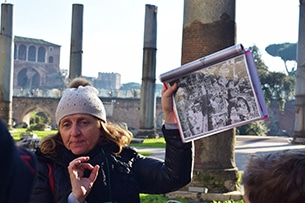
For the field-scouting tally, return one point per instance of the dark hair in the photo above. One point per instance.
(275, 177)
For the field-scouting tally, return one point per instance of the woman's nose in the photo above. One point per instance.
(75, 130)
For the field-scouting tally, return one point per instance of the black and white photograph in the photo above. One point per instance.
(216, 98)
(219, 96)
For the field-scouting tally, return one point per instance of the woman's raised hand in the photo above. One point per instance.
(81, 186)
(167, 103)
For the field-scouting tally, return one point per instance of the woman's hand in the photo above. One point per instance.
(167, 103)
(81, 186)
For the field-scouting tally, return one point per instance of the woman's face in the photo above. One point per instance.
(80, 132)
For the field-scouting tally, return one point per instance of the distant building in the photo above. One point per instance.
(36, 64)
(110, 81)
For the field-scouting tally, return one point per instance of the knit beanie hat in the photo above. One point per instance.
(83, 100)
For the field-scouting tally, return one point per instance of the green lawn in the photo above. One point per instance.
(40, 134)
(145, 198)
(151, 143)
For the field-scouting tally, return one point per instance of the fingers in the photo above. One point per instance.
(167, 103)
(79, 164)
(164, 88)
(173, 87)
(94, 173)
(81, 186)
(76, 162)
(168, 91)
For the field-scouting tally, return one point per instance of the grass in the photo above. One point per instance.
(145, 198)
(229, 201)
(151, 143)
(145, 153)
(40, 134)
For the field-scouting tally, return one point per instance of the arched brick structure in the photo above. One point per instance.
(126, 110)
(23, 106)
(118, 110)
(36, 64)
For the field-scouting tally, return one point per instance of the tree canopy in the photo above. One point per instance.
(130, 86)
(286, 51)
(260, 65)
(276, 85)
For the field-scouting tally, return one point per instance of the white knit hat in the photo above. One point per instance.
(80, 100)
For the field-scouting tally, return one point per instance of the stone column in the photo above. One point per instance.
(209, 26)
(148, 100)
(6, 63)
(299, 126)
(76, 49)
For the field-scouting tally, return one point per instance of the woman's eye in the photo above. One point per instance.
(84, 122)
(65, 125)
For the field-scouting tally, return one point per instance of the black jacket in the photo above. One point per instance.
(121, 177)
(17, 171)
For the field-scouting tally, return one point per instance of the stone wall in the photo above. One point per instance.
(118, 110)
(127, 110)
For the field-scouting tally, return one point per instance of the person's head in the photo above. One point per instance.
(79, 115)
(81, 120)
(275, 177)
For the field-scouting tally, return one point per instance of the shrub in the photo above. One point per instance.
(254, 128)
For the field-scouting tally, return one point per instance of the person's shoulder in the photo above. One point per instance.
(129, 149)
(28, 159)
(43, 158)
(129, 152)
(39, 154)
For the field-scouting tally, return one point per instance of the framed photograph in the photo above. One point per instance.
(216, 96)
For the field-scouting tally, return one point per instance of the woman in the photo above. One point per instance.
(91, 159)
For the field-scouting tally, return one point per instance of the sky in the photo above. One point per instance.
(113, 31)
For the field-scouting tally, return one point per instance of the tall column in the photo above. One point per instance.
(76, 49)
(299, 126)
(209, 27)
(148, 100)
(6, 63)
